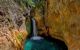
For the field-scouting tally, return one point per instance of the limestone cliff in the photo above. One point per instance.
(60, 18)
(12, 25)
(63, 20)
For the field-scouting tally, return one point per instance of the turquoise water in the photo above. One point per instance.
(40, 45)
(44, 44)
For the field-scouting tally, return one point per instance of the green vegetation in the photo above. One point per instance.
(32, 3)
(19, 36)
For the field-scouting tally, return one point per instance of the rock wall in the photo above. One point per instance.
(62, 18)
(12, 26)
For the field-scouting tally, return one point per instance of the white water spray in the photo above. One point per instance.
(35, 36)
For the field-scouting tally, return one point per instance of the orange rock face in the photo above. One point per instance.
(63, 20)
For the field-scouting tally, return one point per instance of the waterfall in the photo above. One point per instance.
(34, 27)
(35, 32)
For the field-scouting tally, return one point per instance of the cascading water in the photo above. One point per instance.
(34, 27)
(35, 32)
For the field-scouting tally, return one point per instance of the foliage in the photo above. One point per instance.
(39, 3)
(19, 36)
(32, 3)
